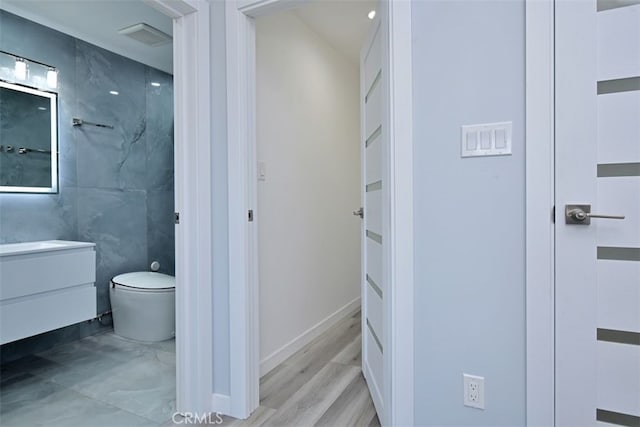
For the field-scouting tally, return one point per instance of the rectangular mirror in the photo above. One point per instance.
(28, 140)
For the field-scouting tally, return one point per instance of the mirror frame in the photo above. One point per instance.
(53, 103)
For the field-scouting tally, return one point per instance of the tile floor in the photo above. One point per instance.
(102, 380)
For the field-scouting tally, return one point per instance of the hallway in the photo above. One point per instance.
(321, 385)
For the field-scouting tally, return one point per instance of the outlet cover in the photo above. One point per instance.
(473, 391)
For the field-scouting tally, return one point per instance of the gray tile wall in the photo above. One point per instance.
(116, 186)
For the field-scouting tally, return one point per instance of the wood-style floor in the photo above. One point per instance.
(321, 385)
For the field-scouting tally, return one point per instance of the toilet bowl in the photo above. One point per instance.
(143, 306)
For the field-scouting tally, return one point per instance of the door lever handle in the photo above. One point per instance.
(359, 212)
(581, 214)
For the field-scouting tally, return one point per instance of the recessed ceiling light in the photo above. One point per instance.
(156, 84)
(42, 109)
(372, 14)
(114, 92)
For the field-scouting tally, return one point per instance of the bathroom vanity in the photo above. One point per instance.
(45, 286)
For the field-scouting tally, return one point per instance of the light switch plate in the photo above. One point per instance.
(491, 139)
(262, 173)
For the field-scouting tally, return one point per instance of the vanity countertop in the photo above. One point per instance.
(9, 249)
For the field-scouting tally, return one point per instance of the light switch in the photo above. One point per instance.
(485, 139)
(472, 141)
(501, 139)
(491, 139)
(262, 172)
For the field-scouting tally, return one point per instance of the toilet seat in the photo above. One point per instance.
(144, 280)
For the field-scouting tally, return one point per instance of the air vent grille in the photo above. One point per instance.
(146, 34)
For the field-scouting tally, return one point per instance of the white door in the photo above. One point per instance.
(374, 146)
(598, 259)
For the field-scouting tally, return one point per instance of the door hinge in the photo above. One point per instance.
(250, 215)
(176, 217)
(553, 214)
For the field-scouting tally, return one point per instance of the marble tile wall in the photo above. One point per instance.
(116, 185)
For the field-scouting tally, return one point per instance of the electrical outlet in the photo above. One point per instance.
(473, 391)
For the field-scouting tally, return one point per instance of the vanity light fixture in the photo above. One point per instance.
(372, 14)
(28, 72)
(20, 71)
(52, 78)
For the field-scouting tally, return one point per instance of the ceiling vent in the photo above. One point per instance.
(146, 34)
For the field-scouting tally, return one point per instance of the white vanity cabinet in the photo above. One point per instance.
(45, 286)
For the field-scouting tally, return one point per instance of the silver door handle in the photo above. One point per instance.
(359, 212)
(581, 214)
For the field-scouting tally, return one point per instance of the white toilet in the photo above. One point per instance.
(143, 306)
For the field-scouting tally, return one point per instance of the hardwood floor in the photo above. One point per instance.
(321, 385)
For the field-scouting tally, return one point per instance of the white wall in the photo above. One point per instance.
(308, 129)
(468, 68)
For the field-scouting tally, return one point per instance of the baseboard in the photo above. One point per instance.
(221, 403)
(284, 352)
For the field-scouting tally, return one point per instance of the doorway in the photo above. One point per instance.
(397, 261)
(193, 200)
(308, 158)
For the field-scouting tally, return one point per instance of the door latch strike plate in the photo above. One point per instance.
(250, 215)
(176, 217)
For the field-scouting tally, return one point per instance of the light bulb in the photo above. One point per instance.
(21, 69)
(52, 78)
(372, 14)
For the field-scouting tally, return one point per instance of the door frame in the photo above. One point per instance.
(193, 201)
(243, 254)
(540, 200)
